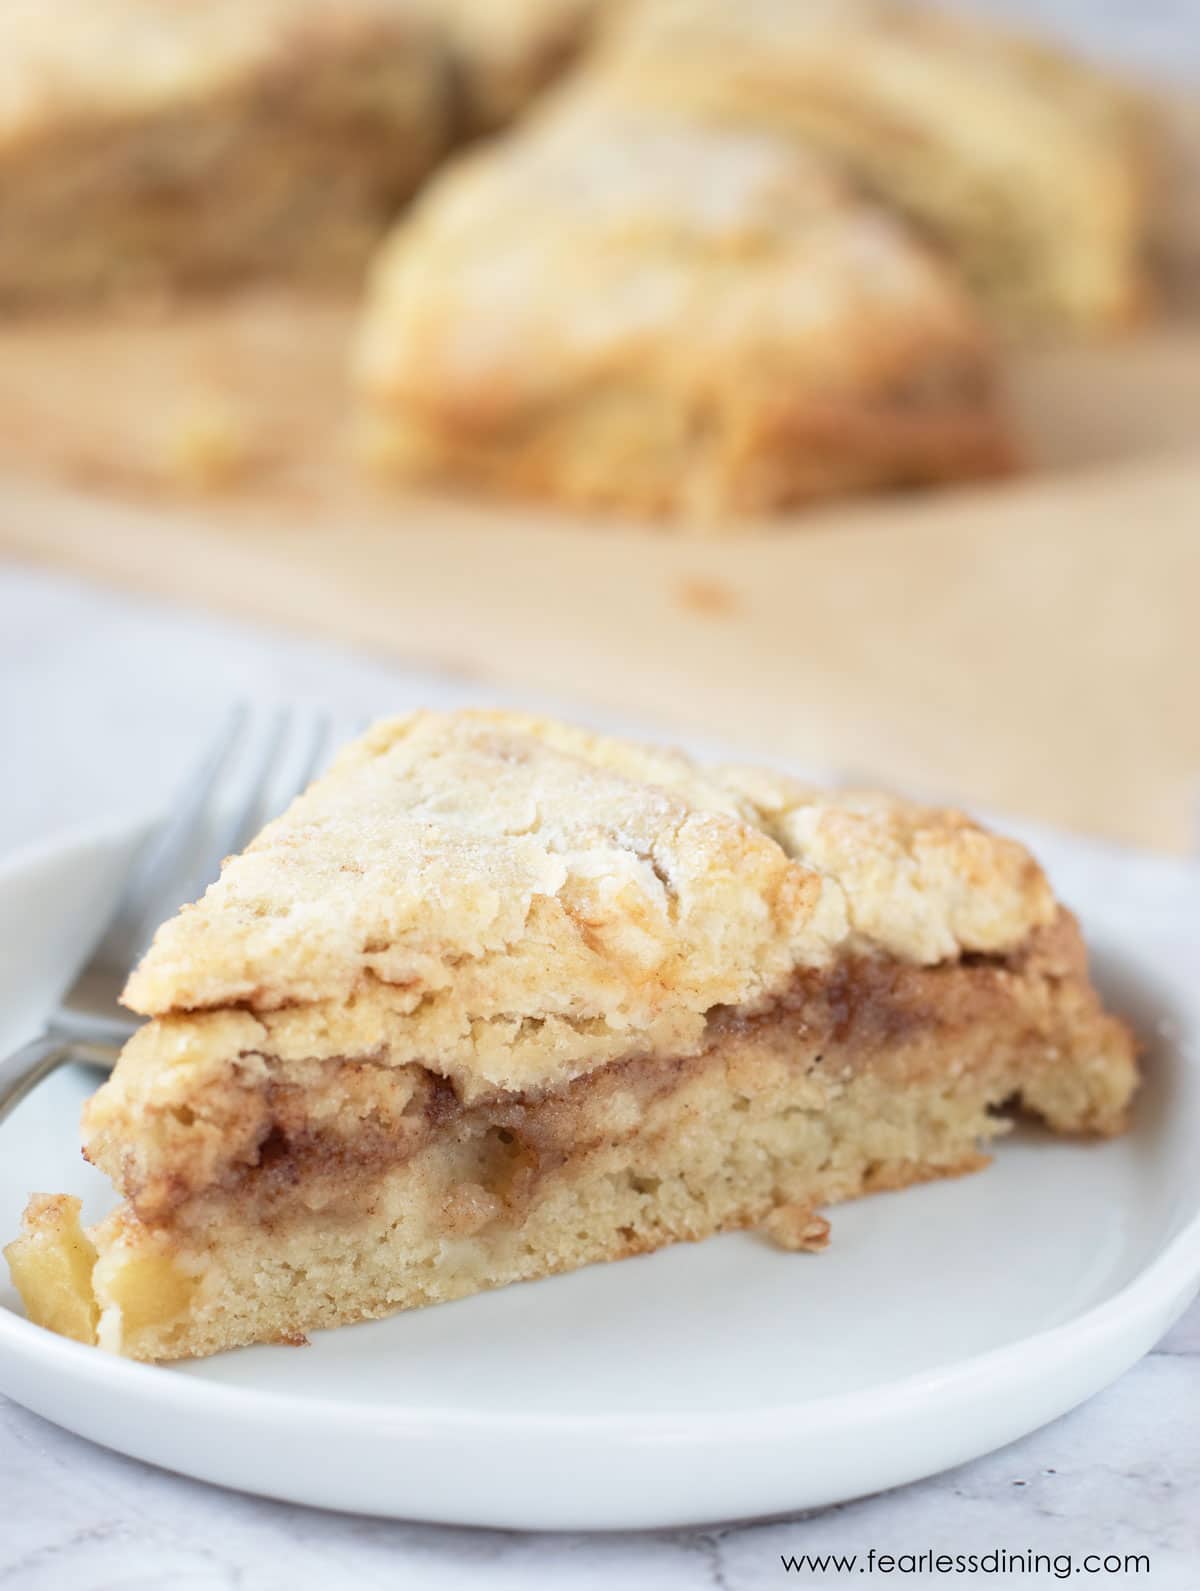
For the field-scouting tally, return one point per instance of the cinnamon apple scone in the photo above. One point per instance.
(145, 144)
(1031, 166)
(618, 309)
(498, 998)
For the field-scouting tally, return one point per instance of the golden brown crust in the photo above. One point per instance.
(514, 901)
(1031, 165)
(620, 308)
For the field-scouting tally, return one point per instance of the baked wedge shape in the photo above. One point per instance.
(649, 313)
(498, 998)
(1033, 168)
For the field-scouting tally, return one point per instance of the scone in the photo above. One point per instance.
(1029, 165)
(189, 143)
(498, 998)
(645, 313)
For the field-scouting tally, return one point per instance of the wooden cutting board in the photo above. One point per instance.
(1033, 645)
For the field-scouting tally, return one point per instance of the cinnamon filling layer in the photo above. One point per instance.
(350, 1120)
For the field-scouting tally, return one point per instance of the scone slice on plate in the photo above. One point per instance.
(647, 313)
(498, 998)
(146, 144)
(1031, 166)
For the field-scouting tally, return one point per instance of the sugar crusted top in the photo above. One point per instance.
(512, 901)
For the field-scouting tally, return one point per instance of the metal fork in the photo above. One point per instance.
(237, 787)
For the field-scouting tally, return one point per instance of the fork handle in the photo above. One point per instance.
(26, 1067)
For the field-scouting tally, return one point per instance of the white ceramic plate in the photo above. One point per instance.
(710, 1382)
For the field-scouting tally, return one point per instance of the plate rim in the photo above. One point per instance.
(1168, 1277)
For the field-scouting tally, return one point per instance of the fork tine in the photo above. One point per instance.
(166, 857)
(314, 738)
(186, 855)
(317, 752)
(258, 806)
(232, 830)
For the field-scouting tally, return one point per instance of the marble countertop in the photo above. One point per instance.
(102, 702)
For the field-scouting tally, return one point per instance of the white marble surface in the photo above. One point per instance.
(102, 702)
